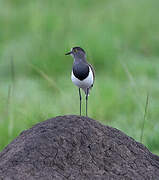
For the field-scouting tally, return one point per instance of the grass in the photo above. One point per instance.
(121, 40)
(144, 119)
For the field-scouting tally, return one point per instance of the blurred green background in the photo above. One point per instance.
(121, 39)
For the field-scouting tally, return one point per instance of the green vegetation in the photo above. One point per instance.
(122, 42)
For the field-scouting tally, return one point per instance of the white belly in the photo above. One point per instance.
(84, 84)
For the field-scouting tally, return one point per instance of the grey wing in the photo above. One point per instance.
(92, 68)
(93, 71)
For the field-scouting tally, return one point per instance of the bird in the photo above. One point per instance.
(83, 73)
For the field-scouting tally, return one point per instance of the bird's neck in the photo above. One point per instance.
(79, 60)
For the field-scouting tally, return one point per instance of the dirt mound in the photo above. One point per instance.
(76, 148)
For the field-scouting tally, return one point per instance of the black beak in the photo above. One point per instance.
(69, 53)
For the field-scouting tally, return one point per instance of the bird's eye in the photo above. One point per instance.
(75, 50)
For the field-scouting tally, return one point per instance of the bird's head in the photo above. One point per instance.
(77, 52)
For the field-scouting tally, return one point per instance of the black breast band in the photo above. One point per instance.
(81, 71)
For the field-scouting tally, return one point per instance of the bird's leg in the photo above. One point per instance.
(80, 100)
(86, 99)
